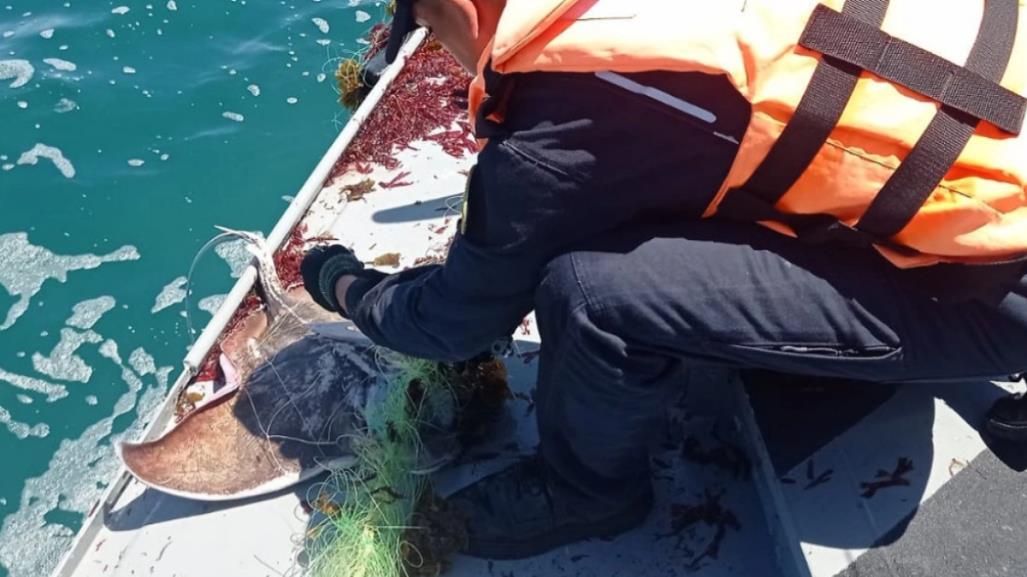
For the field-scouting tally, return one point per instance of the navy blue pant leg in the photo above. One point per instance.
(623, 317)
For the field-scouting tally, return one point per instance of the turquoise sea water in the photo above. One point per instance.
(128, 129)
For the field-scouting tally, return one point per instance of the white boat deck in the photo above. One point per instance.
(785, 500)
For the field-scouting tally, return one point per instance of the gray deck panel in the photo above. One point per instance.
(899, 530)
(974, 525)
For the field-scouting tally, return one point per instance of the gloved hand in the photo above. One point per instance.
(322, 267)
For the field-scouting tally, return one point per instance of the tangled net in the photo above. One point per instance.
(368, 509)
(381, 518)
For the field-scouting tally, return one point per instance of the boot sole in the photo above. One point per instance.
(1007, 432)
(612, 526)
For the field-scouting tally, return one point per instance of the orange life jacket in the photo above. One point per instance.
(893, 122)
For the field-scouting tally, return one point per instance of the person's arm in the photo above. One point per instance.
(446, 313)
(464, 27)
(562, 172)
(486, 286)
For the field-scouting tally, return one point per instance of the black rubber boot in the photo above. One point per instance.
(519, 513)
(1007, 418)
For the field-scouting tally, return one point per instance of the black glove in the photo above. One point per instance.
(322, 267)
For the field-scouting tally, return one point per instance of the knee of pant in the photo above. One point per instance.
(559, 292)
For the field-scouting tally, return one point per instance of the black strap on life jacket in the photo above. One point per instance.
(815, 118)
(496, 89)
(973, 89)
(968, 95)
(851, 42)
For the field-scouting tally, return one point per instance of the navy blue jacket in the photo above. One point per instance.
(575, 158)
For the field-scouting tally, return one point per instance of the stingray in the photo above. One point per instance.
(293, 402)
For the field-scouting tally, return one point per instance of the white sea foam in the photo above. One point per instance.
(164, 375)
(110, 33)
(52, 153)
(24, 399)
(321, 24)
(233, 116)
(212, 303)
(61, 64)
(63, 363)
(362, 16)
(254, 89)
(52, 391)
(73, 482)
(172, 294)
(142, 362)
(20, 70)
(21, 430)
(120, 10)
(109, 349)
(24, 267)
(65, 105)
(234, 254)
(86, 313)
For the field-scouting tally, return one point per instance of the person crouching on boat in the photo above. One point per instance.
(614, 128)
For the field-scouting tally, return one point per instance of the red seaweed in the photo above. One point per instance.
(709, 512)
(430, 259)
(423, 103)
(886, 479)
(397, 181)
(287, 262)
(288, 258)
(211, 368)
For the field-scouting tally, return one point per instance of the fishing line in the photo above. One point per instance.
(213, 242)
(281, 314)
(290, 401)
